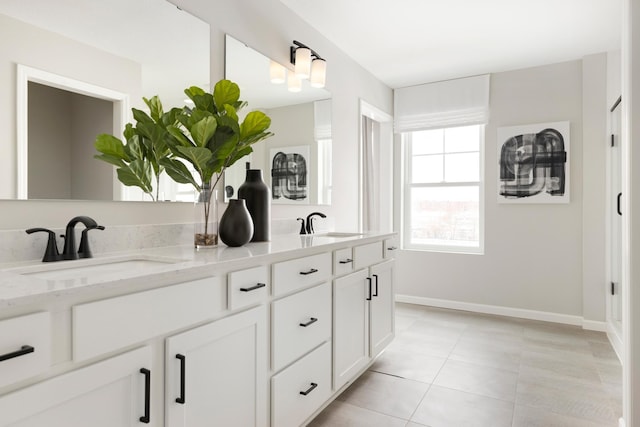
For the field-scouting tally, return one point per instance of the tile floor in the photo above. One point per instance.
(449, 368)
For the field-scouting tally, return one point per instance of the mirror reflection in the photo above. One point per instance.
(296, 161)
(74, 70)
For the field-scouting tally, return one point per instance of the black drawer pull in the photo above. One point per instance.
(311, 320)
(309, 390)
(391, 248)
(25, 349)
(369, 280)
(346, 261)
(253, 288)
(146, 418)
(313, 270)
(375, 293)
(183, 369)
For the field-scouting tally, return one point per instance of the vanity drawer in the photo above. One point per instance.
(107, 325)
(299, 273)
(25, 347)
(391, 247)
(300, 322)
(248, 287)
(342, 261)
(366, 255)
(298, 391)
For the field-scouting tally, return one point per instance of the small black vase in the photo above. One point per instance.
(236, 227)
(258, 197)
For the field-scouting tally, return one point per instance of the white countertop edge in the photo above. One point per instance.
(17, 289)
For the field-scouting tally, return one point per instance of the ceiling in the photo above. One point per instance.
(409, 42)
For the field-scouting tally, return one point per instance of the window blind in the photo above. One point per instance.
(448, 103)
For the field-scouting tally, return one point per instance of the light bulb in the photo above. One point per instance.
(318, 73)
(277, 73)
(303, 62)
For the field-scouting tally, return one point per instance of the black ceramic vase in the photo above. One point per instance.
(236, 227)
(258, 198)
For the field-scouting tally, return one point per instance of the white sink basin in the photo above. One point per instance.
(67, 270)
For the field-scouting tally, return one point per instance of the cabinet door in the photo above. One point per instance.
(216, 373)
(350, 327)
(381, 312)
(106, 394)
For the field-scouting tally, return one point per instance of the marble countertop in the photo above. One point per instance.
(24, 283)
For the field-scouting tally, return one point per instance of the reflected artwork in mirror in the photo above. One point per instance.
(72, 70)
(301, 123)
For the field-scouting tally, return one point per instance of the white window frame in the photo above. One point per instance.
(406, 199)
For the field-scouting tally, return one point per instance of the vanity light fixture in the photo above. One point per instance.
(308, 64)
(294, 84)
(277, 72)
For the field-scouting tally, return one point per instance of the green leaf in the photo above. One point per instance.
(134, 149)
(136, 174)
(177, 138)
(225, 92)
(239, 154)
(231, 112)
(116, 161)
(197, 156)
(255, 123)
(179, 172)
(110, 145)
(155, 107)
(140, 116)
(203, 130)
(129, 131)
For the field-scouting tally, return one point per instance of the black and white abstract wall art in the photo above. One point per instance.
(290, 174)
(533, 163)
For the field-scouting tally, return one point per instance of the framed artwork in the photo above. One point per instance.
(533, 163)
(290, 174)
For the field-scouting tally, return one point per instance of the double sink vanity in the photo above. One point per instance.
(262, 335)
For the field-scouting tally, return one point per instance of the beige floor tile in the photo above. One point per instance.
(568, 397)
(430, 345)
(544, 364)
(530, 417)
(482, 353)
(443, 407)
(417, 367)
(341, 414)
(477, 379)
(386, 394)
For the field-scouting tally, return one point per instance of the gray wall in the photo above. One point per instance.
(533, 253)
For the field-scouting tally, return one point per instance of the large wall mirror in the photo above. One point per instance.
(296, 161)
(71, 70)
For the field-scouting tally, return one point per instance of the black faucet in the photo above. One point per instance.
(51, 252)
(310, 220)
(69, 251)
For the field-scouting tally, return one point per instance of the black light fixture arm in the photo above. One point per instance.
(297, 44)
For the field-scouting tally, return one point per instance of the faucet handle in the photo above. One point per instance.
(51, 252)
(83, 250)
(302, 227)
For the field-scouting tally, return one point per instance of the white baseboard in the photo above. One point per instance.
(616, 342)
(506, 311)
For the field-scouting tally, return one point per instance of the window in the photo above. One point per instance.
(443, 189)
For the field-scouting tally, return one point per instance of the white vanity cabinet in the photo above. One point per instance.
(264, 341)
(216, 374)
(363, 312)
(113, 392)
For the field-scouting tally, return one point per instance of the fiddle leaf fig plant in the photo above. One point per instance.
(138, 161)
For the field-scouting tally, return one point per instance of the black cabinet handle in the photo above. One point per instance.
(146, 418)
(618, 202)
(311, 320)
(183, 369)
(313, 270)
(309, 390)
(369, 280)
(25, 349)
(375, 294)
(253, 288)
(391, 248)
(346, 261)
